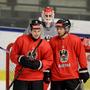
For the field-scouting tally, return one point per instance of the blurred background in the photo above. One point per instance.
(17, 13)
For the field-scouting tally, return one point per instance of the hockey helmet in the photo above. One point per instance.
(63, 23)
(47, 14)
(35, 24)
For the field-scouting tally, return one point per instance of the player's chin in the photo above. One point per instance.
(36, 37)
(59, 34)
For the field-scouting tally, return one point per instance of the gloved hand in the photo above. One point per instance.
(47, 76)
(84, 74)
(32, 64)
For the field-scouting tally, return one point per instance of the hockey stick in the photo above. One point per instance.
(80, 85)
(21, 69)
(4, 49)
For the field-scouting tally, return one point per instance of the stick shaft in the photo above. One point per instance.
(4, 49)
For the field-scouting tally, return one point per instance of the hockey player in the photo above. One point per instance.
(49, 30)
(86, 42)
(70, 64)
(31, 77)
(47, 19)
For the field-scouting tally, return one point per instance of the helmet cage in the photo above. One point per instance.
(47, 15)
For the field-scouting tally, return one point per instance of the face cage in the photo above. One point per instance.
(47, 20)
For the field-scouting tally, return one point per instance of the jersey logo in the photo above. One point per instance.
(48, 37)
(63, 55)
(32, 55)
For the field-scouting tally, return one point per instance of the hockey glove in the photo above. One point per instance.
(84, 74)
(47, 76)
(27, 63)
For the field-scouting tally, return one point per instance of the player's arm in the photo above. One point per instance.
(83, 71)
(47, 55)
(16, 50)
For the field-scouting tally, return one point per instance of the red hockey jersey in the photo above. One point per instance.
(24, 45)
(86, 42)
(68, 54)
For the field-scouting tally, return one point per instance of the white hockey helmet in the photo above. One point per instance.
(48, 15)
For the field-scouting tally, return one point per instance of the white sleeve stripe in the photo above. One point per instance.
(46, 70)
(40, 65)
(83, 71)
(20, 58)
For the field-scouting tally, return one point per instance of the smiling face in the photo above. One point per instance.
(36, 33)
(36, 29)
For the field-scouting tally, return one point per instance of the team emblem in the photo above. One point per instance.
(32, 55)
(63, 55)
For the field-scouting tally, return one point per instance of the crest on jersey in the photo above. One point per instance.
(32, 55)
(63, 55)
(48, 37)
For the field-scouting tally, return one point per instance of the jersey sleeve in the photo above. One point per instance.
(47, 59)
(81, 55)
(16, 49)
